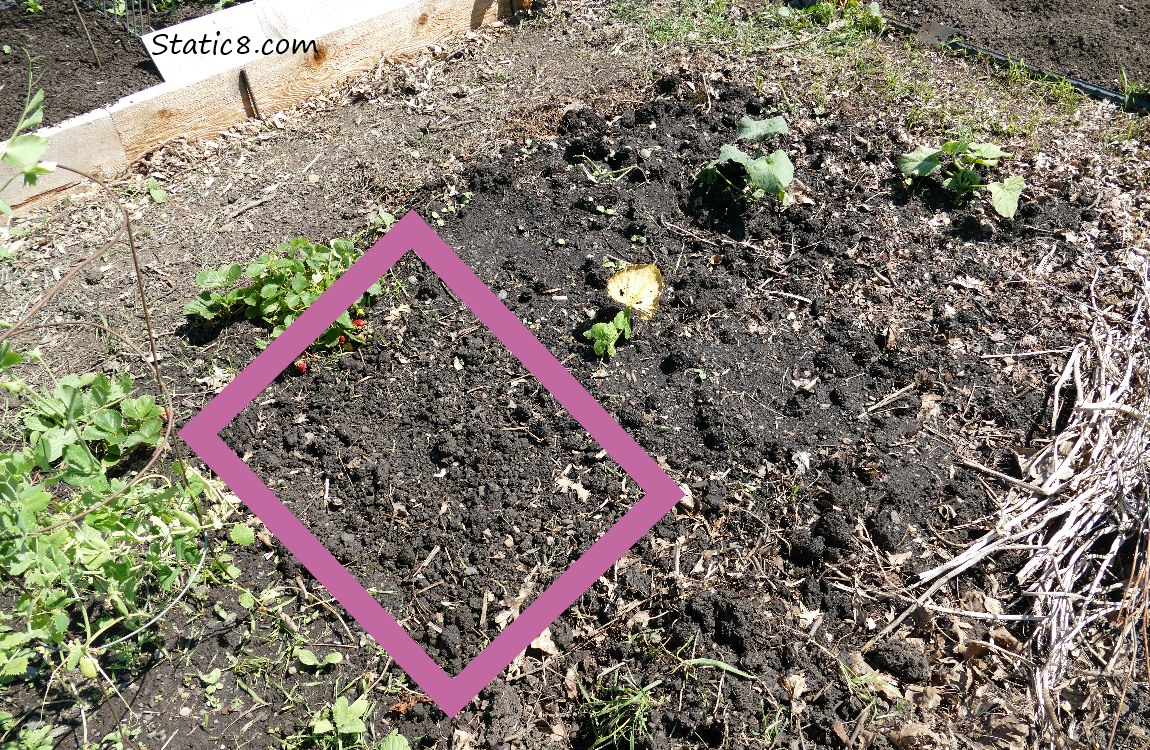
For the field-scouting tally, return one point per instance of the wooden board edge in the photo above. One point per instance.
(143, 121)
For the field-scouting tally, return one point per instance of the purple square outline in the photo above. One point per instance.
(451, 694)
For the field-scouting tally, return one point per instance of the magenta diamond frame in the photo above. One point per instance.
(412, 233)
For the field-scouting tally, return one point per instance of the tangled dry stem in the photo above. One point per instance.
(1083, 511)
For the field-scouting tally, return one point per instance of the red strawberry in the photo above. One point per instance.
(359, 322)
(301, 365)
(342, 339)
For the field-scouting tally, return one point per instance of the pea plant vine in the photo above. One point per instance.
(23, 151)
(88, 549)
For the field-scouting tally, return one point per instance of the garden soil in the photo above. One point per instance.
(454, 486)
(1094, 40)
(823, 377)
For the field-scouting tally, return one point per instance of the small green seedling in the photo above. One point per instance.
(958, 161)
(762, 175)
(395, 741)
(343, 720)
(309, 659)
(604, 335)
(157, 193)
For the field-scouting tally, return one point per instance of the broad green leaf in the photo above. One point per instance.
(395, 741)
(987, 153)
(727, 153)
(100, 391)
(269, 290)
(8, 357)
(23, 152)
(202, 306)
(322, 726)
(49, 448)
(757, 130)
(772, 173)
(306, 657)
(107, 420)
(15, 667)
(209, 279)
(341, 712)
(140, 408)
(231, 273)
(38, 423)
(920, 162)
(353, 726)
(242, 535)
(1004, 195)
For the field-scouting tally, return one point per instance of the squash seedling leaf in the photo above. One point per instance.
(771, 174)
(920, 162)
(1004, 195)
(757, 130)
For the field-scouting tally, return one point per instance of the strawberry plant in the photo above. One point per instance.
(279, 286)
(958, 161)
(753, 176)
(604, 335)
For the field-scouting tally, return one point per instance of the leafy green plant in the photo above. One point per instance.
(754, 177)
(309, 659)
(88, 550)
(958, 161)
(281, 285)
(23, 151)
(395, 741)
(157, 193)
(1131, 90)
(38, 738)
(341, 724)
(605, 335)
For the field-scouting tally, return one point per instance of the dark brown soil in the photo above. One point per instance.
(72, 81)
(755, 376)
(755, 383)
(1089, 39)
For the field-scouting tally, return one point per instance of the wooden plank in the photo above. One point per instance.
(89, 142)
(176, 66)
(129, 129)
(278, 82)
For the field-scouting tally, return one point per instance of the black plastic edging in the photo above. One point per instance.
(943, 37)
